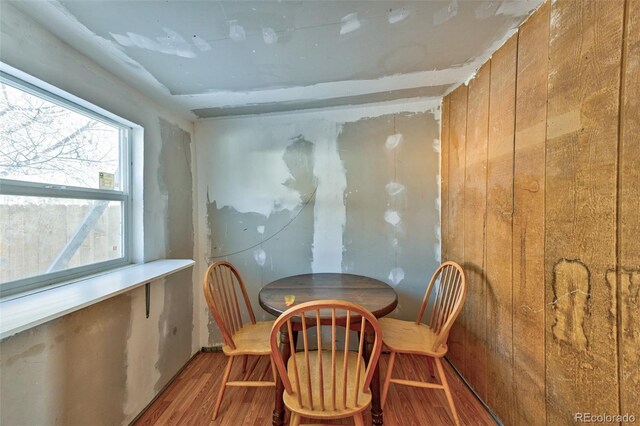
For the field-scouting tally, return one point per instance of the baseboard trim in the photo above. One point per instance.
(215, 348)
(473, 391)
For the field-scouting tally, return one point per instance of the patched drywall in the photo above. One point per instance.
(232, 57)
(68, 371)
(276, 180)
(392, 228)
(308, 34)
(264, 101)
(175, 184)
(175, 327)
(175, 324)
(105, 363)
(339, 190)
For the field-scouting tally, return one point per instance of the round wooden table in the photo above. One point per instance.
(376, 296)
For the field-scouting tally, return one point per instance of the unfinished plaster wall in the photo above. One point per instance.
(104, 364)
(340, 190)
(542, 210)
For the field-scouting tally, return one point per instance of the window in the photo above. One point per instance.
(64, 188)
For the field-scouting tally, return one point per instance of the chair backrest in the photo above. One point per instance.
(445, 296)
(222, 283)
(338, 383)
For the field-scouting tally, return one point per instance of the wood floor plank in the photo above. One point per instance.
(153, 413)
(192, 404)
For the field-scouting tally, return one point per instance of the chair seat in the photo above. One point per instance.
(364, 398)
(409, 337)
(251, 339)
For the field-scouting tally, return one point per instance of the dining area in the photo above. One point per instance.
(283, 213)
(320, 360)
(310, 207)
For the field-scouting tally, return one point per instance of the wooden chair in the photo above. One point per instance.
(329, 382)
(445, 296)
(222, 283)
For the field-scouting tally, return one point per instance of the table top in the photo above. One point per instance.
(375, 295)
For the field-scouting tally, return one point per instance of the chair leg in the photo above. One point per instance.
(295, 419)
(225, 378)
(244, 363)
(447, 391)
(358, 420)
(387, 379)
(430, 365)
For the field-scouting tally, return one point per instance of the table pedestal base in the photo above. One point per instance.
(376, 409)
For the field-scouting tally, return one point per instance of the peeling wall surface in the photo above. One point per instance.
(213, 58)
(70, 371)
(322, 191)
(104, 364)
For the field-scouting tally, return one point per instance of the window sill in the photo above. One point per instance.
(25, 312)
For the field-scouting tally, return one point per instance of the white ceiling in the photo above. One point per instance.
(213, 58)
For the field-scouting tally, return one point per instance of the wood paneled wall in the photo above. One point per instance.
(541, 204)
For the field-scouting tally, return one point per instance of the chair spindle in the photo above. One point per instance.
(333, 357)
(345, 365)
(320, 370)
(306, 358)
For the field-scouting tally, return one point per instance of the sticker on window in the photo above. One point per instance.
(106, 180)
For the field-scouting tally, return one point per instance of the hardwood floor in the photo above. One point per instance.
(189, 399)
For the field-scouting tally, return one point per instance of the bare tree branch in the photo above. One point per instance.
(38, 137)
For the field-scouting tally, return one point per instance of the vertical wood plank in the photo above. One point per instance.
(528, 220)
(629, 217)
(475, 196)
(499, 241)
(580, 208)
(455, 249)
(444, 179)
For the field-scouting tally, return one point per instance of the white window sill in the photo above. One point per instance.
(31, 310)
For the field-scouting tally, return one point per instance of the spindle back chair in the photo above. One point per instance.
(226, 295)
(443, 300)
(222, 285)
(327, 381)
(448, 288)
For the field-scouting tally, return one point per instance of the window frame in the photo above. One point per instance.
(50, 93)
